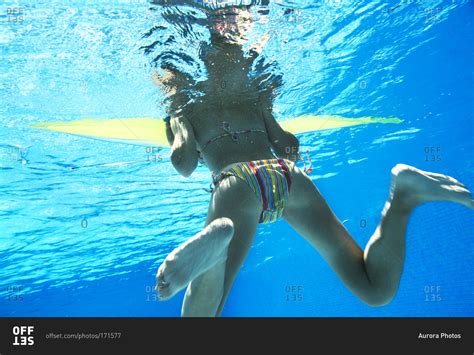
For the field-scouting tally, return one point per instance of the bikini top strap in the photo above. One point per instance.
(228, 132)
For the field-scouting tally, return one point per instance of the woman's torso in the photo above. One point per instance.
(213, 120)
(230, 95)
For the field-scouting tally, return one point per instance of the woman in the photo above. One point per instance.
(232, 130)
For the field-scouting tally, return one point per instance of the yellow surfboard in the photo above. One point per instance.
(151, 131)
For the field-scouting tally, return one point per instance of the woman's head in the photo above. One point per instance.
(231, 22)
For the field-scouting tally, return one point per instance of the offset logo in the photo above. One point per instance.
(23, 335)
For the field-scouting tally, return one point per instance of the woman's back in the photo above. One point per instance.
(226, 112)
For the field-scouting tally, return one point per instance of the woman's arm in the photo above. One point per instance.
(179, 131)
(284, 144)
(169, 131)
(184, 155)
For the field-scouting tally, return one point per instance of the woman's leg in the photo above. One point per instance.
(200, 253)
(233, 201)
(206, 295)
(238, 249)
(374, 274)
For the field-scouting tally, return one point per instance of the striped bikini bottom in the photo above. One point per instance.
(269, 179)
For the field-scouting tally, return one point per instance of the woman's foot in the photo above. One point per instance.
(412, 187)
(194, 257)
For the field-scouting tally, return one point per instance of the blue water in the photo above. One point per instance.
(78, 239)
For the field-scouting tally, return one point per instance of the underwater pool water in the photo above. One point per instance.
(82, 239)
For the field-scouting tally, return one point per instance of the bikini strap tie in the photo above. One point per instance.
(216, 180)
(209, 190)
(306, 169)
